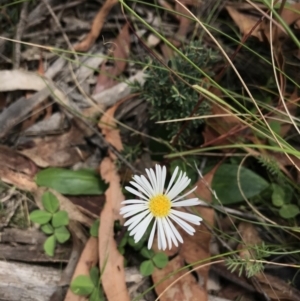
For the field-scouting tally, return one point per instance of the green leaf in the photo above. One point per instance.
(160, 260)
(50, 202)
(147, 268)
(275, 126)
(123, 241)
(289, 211)
(95, 228)
(49, 245)
(147, 253)
(97, 295)
(121, 250)
(82, 285)
(94, 274)
(40, 216)
(47, 229)
(136, 245)
(225, 184)
(60, 218)
(72, 182)
(62, 234)
(278, 195)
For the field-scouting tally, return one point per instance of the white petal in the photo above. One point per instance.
(178, 187)
(132, 208)
(137, 229)
(152, 179)
(135, 192)
(169, 233)
(192, 218)
(134, 202)
(182, 196)
(129, 208)
(150, 241)
(162, 180)
(143, 227)
(175, 231)
(140, 188)
(158, 178)
(185, 226)
(190, 202)
(172, 179)
(144, 183)
(161, 234)
(158, 238)
(133, 221)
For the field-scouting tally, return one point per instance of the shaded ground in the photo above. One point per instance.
(82, 87)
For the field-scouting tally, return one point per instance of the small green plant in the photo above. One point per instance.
(88, 286)
(229, 179)
(159, 260)
(172, 97)
(131, 153)
(270, 164)
(281, 198)
(53, 222)
(95, 228)
(246, 265)
(128, 240)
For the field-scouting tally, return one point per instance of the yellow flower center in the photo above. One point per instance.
(160, 205)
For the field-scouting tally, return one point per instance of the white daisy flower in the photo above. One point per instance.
(154, 203)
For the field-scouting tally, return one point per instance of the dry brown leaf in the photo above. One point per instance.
(111, 261)
(121, 49)
(97, 25)
(20, 180)
(14, 160)
(233, 291)
(88, 259)
(276, 289)
(16, 169)
(291, 15)
(57, 150)
(90, 205)
(186, 288)
(109, 129)
(245, 22)
(250, 237)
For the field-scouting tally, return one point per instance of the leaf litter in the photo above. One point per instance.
(29, 102)
(111, 261)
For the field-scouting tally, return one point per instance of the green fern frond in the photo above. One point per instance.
(270, 164)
